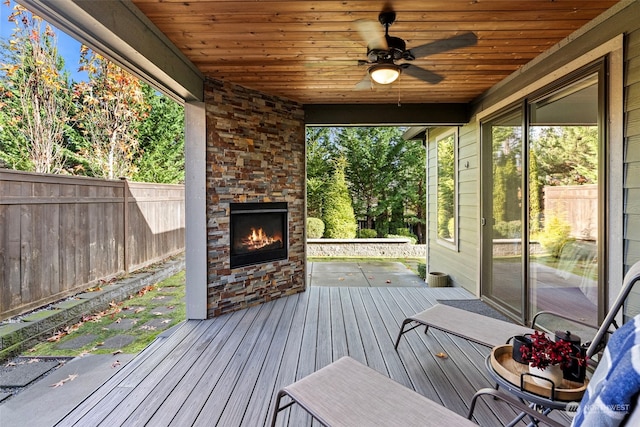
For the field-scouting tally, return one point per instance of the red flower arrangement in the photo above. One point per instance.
(544, 352)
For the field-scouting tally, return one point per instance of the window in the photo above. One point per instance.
(447, 206)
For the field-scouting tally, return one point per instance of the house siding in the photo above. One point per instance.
(464, 265)
(460, 264)
(632, 159)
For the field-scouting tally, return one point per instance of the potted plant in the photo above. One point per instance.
(548, 358)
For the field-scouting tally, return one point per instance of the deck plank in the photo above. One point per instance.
(226, 371)
(188, 412)
(186, 392)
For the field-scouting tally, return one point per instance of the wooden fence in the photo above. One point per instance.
(61, 234)
(575, 204)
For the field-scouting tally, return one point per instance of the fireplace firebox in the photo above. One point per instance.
(258, 233)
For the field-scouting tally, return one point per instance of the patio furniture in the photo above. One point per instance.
(492, 332)
(347, 393)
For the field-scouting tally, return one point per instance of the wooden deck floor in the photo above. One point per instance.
(226, 371)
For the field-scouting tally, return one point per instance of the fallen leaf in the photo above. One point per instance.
(71, 377)
(84, 353)
(442, 355)
(118, 320)
(370, 277)
(138, 310)
(10, 364)
(117, 352)
(171, 307)
(166, 321)
(33, 360)
(100, 344)
(115, 364)
(388, 281)
(58, 384)
(340, 278)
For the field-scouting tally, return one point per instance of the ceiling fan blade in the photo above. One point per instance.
(421, 73)
(455, 42)
(371, 32)
(364, 84)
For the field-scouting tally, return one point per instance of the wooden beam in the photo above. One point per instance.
(386, 114)
(119, 31)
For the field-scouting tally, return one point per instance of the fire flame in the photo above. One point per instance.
(258, 239)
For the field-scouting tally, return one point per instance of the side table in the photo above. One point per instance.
(514, 377)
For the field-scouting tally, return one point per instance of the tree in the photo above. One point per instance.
(33, 97)
(373, 158)
(412, 177)
(339, 219)
(319, 168)
(110, 107)
(161, 136)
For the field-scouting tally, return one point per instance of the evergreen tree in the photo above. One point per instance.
(339, 219)
(161, 136)
(373, 170)
(319, 168)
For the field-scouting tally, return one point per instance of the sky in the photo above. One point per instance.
(68, 47)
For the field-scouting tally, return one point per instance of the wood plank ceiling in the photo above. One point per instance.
(308, 51)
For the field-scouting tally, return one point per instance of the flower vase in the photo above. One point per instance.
(552, 372)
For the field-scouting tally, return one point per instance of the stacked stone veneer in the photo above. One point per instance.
(255, 153)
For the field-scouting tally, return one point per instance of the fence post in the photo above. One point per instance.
(125, 224)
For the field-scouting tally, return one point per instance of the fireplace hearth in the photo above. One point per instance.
(258, 233)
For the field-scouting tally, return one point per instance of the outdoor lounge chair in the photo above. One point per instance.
(347, 393)
(492, 332)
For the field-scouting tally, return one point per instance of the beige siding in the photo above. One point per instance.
(460, 265)
(632, 159)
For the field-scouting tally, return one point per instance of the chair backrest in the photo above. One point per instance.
(632, 276)
(611, 398)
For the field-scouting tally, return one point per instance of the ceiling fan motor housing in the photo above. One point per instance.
(396, 50)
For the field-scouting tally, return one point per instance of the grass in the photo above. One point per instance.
(162, 304)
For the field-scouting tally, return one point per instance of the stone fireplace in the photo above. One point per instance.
(255, 197)
(259, 233)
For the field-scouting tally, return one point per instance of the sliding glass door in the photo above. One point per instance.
(565, 200)
(503, 231)
(543, 202)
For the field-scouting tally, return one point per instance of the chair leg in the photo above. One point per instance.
(277, 408)
(404, 323)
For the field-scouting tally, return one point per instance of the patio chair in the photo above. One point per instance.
(347, 393)
(493, 332)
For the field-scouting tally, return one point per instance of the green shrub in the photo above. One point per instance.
(556, 234)
(315, 228)
(508, 229)
(338, 216)
(422, 270)
(402, 231)
(367, 233)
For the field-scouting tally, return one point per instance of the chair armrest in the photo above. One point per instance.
(512, 401)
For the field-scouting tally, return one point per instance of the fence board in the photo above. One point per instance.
(61, 234)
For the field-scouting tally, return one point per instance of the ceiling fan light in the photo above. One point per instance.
(384, 74)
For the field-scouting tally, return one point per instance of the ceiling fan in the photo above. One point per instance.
(384, 50)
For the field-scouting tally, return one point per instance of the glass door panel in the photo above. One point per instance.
(564, 200)
(502, 212)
